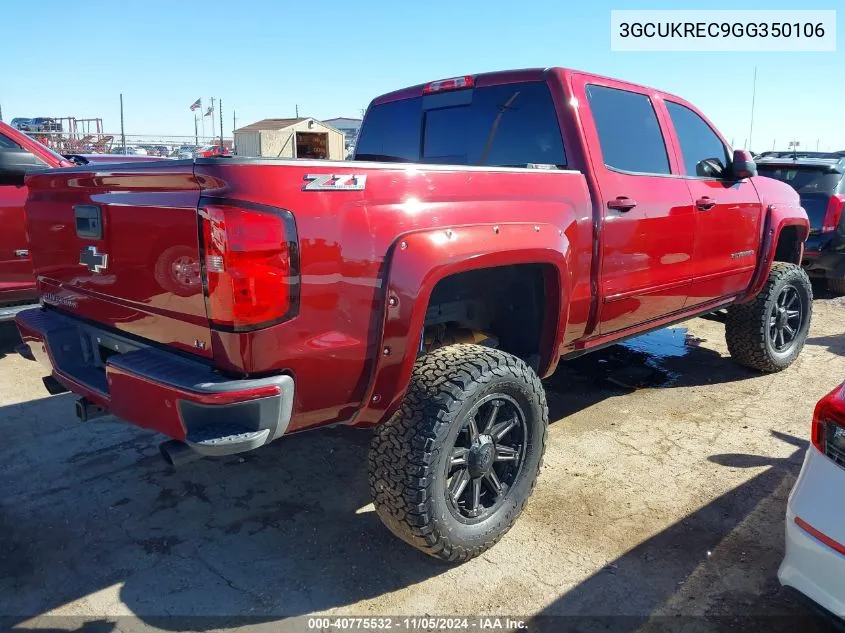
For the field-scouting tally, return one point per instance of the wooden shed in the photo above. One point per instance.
(301, 137)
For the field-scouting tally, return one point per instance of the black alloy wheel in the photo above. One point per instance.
(486, 458)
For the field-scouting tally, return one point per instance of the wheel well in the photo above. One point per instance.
(503, 306)
(789, 245)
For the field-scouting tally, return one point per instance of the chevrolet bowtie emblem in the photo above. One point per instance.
(92, 260)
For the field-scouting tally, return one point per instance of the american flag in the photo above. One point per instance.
(196, 105)
(209, 112)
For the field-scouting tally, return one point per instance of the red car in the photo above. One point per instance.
(489, 227)
(211, 151)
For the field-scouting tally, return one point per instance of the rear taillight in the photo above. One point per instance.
(454, 83)
(833, 213)
(828, 433)
(250, 266)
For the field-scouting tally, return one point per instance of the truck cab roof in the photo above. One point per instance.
(514, 76)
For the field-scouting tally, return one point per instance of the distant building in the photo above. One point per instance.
(302, 137)
(350, 129)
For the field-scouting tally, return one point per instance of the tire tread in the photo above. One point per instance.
(836, 285)
(405, 448)
(746, 323)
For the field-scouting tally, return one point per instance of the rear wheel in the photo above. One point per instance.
(769, 332)
(836, 286)
(451, 471)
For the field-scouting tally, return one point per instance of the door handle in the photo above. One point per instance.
(22, 252)
(705, 203)
(622, 203)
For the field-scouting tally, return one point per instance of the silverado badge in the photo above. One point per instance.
(92, 260)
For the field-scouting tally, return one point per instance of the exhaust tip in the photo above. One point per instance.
(176, 453)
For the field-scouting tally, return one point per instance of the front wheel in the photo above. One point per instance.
(451, 471)
(769, 332)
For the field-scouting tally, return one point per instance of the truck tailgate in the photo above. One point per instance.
(120, 246)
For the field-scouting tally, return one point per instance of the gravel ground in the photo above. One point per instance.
(661, 500)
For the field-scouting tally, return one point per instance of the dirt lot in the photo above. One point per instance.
(661, 500)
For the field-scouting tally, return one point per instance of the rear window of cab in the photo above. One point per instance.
(508, 125)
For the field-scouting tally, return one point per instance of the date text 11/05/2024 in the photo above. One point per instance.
(426, 623)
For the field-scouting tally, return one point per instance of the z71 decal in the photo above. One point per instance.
(335, 182)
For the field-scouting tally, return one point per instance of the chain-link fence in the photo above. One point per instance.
(168, 145)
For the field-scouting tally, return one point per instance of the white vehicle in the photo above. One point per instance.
(814, 563)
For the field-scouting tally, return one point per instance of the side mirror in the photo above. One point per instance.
(14, 165)
(710, 168)
(743, 165)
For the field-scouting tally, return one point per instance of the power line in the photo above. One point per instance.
(753, 99)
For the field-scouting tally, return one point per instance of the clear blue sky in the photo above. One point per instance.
(331, 58)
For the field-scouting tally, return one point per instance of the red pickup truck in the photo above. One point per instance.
(18, 154)
(489, 227)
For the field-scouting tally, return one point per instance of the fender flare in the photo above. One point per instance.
(418, 261)
(778, 217)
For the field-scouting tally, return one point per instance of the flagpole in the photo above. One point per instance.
(753, 99)
(212, 118)
(122, 134)
(196, 135)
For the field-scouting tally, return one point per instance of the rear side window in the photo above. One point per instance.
(391, 132)
(510, 125)
(803, 179)
(699, 143)
(629, 133)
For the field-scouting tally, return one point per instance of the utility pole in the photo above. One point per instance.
(221, 124)
(122, 134)
(234, 127)
(297, 110)
(212, 118)
(1, 112)
(753, 99)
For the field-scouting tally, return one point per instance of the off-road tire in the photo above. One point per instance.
(747, 324)
(408, 470)
(836, 285)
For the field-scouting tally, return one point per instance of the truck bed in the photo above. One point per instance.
(348, 219)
